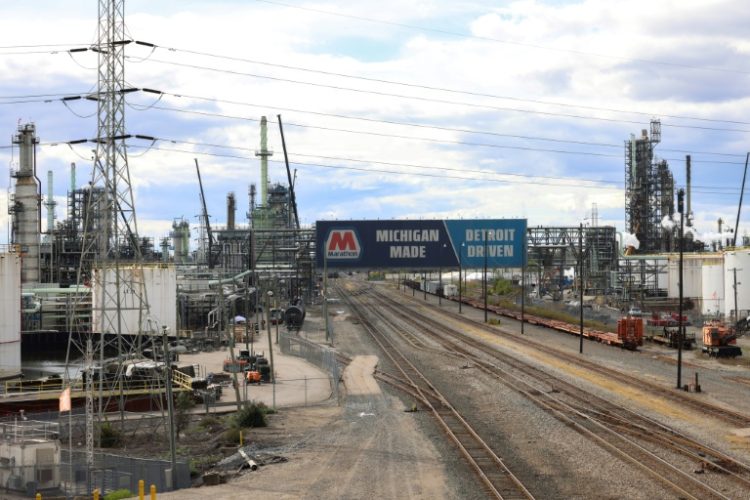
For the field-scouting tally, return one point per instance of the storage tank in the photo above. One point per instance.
(739, 261)
(161, 293)
(10, 315)
(692, 268)
(713, 287)
(26, 207)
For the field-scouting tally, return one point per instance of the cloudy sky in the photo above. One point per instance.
(392, 109)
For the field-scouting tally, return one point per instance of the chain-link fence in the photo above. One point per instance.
(34, 458)
(107, 474)
(321, 356)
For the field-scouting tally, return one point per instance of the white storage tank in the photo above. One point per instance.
(739, 261)
(713, 288)
(10, 315)
(691, 275)
(160, 282)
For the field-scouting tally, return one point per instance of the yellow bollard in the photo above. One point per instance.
(38, 496)
(96, 494)
(153, 492)
(141, 488)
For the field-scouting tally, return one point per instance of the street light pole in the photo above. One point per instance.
(484, 235)
(681, 327)
(460, 296)
(580, 268)
(170, 404)
(523, 284)
(440, 277)
(268, 332)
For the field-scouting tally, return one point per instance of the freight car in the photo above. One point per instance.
(294, 315)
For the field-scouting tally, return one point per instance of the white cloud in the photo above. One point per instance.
(690, 33)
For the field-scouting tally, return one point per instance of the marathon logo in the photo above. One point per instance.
(343, 244)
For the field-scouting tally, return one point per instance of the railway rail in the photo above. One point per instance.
(682, 398)
(655, 448)
(496, 477)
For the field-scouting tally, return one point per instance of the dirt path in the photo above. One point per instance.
(368, 447)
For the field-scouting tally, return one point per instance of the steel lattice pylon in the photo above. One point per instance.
(111, 260)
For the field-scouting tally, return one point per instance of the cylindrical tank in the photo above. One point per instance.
(10, 315)
(26, 208)
(294, 315)
(737, 261)
(712, 288)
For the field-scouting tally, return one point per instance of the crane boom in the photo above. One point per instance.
(209, 257)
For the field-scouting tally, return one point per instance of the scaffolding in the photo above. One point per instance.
(649, 192)
(552, 250)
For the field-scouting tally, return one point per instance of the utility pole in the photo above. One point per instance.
(484, 237)
(580, 268)
(270, 342)
(681, 327)
(170, 403)
(734, 286)
(523, 284)
(460, 295)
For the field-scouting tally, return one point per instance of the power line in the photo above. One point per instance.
(410, 165)
(593, 183)
(383, 171)
(438, 127)
(434, 100)
(359, 118)
(506, 42)
(430, 140)
(411, 85)
(448, 90)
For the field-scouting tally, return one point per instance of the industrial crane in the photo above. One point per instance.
(209, 256)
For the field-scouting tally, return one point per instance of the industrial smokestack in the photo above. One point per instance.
(50, 204)
(264, 153)
(72, 177)
(251, 205)
(231, 208)
(27, 206)
(687, 177)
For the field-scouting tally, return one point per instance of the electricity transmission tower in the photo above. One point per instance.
(111, 258)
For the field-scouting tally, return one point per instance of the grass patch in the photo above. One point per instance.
(118, 494)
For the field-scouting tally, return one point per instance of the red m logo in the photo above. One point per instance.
(342, 240)
(342, 244)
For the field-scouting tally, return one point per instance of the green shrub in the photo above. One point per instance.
(231, 436)
(502, 287)
(109, 437)
(253, 414)
(118, 495)
(210, 422)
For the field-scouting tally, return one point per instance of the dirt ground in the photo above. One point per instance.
(366, 447)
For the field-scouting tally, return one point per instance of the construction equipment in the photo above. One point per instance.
(720, 339)
(205, 219)
(671, 337)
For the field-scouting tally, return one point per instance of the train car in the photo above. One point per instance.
(630, 331)
(294, 315)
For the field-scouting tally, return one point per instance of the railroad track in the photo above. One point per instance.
(494, 474)
(728, 416)
(631, 436)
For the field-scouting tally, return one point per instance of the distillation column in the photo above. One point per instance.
(27, 204)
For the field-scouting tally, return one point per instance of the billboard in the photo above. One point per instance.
(414, 244)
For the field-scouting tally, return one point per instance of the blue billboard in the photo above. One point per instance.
(414, 244)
